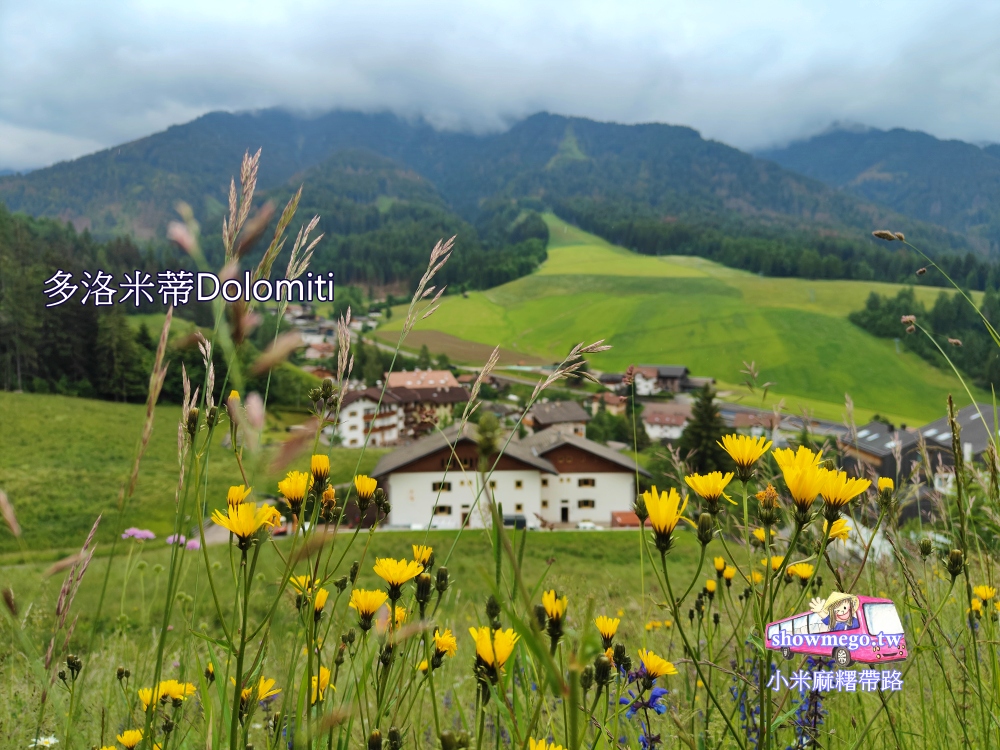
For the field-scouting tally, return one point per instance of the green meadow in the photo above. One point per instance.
(63, 460)
(686, 310)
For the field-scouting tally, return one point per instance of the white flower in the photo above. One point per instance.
(50, 741)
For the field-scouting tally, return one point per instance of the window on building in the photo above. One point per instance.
(442, 510)
(352, 427)
(545, 503)
(519, 507)
(585, 504)
(545, 482)
(518, 484)
(586, 483)
(352, 414)
(442, 487)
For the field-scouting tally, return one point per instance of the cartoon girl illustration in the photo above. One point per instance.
(839, 610)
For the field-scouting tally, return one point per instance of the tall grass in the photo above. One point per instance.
(341, 637)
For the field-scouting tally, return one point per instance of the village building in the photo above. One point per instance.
(371, 413)
(593, 480)
(551, 477)
(611, 402)
(436, 480)
(665, 421)
(427, 397)
(880, 450)
(563, 416)
(320, 350)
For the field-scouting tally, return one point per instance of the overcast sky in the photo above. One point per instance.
(79, 76)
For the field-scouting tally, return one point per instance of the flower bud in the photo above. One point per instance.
(212, 417)
(441, 581)
(375, 740)
(956, 562)
(540, 616)
(602, 670)
(587, 677)
(326, 389)
(423, 593)
(355, 569)
(640, 509)
(926, 548)
(492, 608)
(192, 421)
(395, 739)
(706, 529)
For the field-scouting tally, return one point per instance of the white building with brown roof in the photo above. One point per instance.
(550, 477)
(665, 421)
(372, 413)
(563, 416)
(593, 481)
(436, 481)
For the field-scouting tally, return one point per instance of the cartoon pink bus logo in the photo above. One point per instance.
(849, 628)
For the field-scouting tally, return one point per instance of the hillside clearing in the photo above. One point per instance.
(711, 318)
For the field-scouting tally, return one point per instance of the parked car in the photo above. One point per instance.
(517, 522)
(586, 526)
(871, 633)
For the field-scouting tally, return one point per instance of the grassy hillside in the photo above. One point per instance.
(63, 460)
(709, 317)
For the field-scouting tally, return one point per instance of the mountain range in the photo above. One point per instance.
(952, 184)
(663, 170)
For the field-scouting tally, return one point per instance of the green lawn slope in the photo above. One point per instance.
(684, 310)
(63, 460)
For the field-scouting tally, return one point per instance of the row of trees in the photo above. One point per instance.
(96, 351)
(950, 320)
(782, 253)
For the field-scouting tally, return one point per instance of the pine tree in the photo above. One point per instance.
(699, 444)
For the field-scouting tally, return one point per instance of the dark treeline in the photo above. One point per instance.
(951, 317)
(380, 221)
(782, 253)
(86, 350)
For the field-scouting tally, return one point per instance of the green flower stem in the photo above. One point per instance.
(697, 575)
(697, 664)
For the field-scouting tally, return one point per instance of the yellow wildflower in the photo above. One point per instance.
(555, 607)
(396, 572)
(801, 570)
(776, 562)
(838, 489)
(665, 512)
(445, 643)
(237, 494)
(320, 683)
(839, 530)
(366, 604)
(802, 458)
(130, 737)
(745, 451)
(534, 744)
(319, 465)
(422, 554)
(655, 666)
(984, 592)
(365, 486)
(293, 488)
(607, 627)
(710, 487)
(494, 647)
(246, 519)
